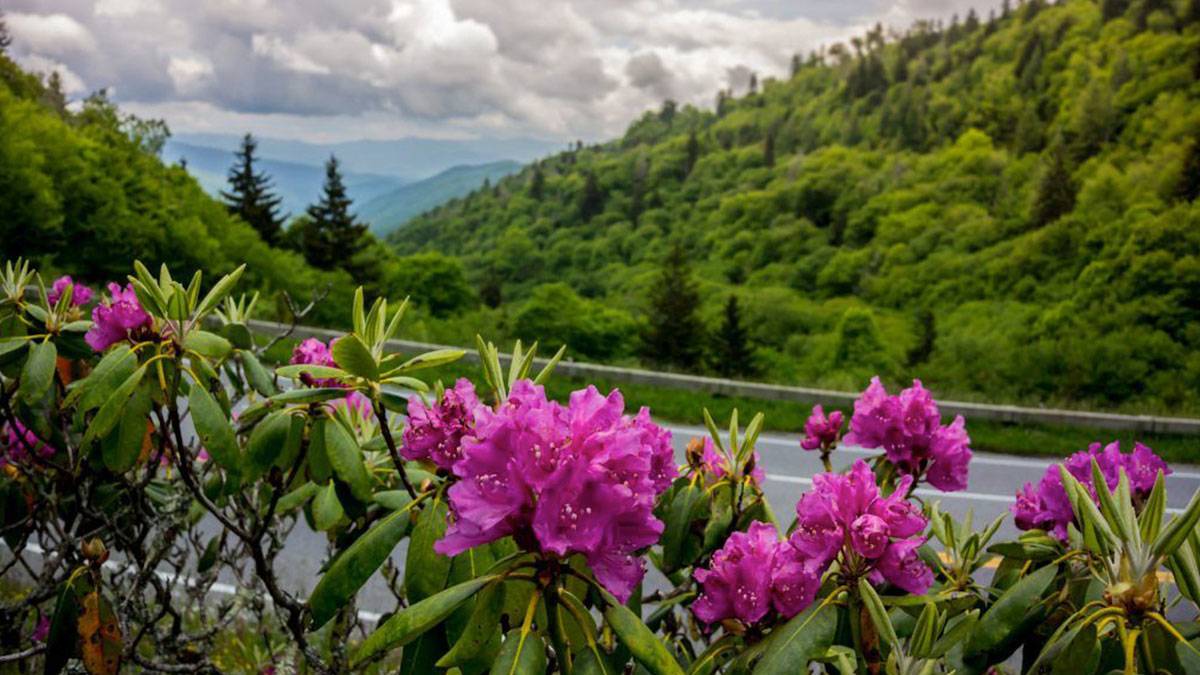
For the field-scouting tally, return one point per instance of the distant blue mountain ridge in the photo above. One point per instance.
(389, 181)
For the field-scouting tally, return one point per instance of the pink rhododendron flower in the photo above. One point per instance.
(18, 441)
(117, 319)
(716, 465)
(314, 352)
(908, 428)
(846, 518)
(580, 478)
(753, 573)
(435, 433)
(820, 431)
(41, 631)
(1046, 506)
(80, 295)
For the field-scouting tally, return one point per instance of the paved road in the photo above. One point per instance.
(993, 481)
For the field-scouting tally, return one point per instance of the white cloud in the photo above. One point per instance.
(562, 69)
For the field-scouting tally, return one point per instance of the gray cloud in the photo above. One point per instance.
(374, 68)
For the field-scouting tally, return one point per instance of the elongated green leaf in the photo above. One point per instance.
(352, 355)
(645, 646)
(1179, 528)
(438, 357)
(1003, 622)
(311, 369)
(110, 413)
(1151, 517)
(313, 395)
(319, 470)
(38, 372)
(208, 344)
(296, 498)
(955, 634)
(407, 624)
(355, 566)
(802, 639)
(523, 653)
(219, 290)
(346, 459)
(678, 534)
(327, 508)
(62, 639)
(877, 612)
(122, 447)
(480, 636)
(8, 345)
(267, 442)
(426, 570)
(256, 375)
(920, 643)
(214, 430)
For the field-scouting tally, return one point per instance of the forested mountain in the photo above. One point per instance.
(1005, 207)
(391, 209)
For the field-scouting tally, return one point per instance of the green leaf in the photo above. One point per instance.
(319, 470)
(954, 636)
(1179, 528)
(420, 655)
(321, 372)
(646, 648)
(426, 570)
(219, 291)
(678, 532)
(1081, 656)
(327, 508)
(9, 345)
(257, 375)
(877, 612)
(296, 498)
(802, 639)
(523, 653)
(350, 570)
(409, 623)
(38, 373)
(121, 449)
(214, 430)
(352, 355)
(479, 638)
(267, 443)
(207, 344)
(924, 632)
(112, 410)
(63, 637)
(1151, 518)
(346, 459)
(306, 395)
(1005, 621)
(438, 357)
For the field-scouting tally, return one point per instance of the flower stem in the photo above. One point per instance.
(550, 595)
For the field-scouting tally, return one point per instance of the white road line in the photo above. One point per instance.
(926, 492)
(987, 460)
(216, 587)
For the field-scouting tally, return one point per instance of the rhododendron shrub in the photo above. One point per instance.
(150, 451)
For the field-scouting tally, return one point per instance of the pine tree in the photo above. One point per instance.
(1189, 181)
(796, 65)
(54, 97)
(537, 182)
(250, 197)
(753, 83)
(769, 149)
(591, 199)
(1055, 189)
(332, 237)
(691, 154)
(5, 36)
(731, 355)
(673, 334)
(927, 325)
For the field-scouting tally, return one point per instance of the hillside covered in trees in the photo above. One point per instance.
(1004, 206)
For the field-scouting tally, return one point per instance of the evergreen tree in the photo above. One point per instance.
(1055, 189)
(1189, 181)
(332, 237)
(731, 355)
(591, 199)
(927, 327)
(537, 182)
(250, 197)
(769, 149)
(674, 333)
(796, 65)
(5, 37)
(54, 97)
(691, 154)
(753, 83)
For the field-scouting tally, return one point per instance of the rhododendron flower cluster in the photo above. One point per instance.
(846, 518)
(120, 317)
(435, 432)
(715, 465)
(821, 431)
(17, 443)
(753, 573)
(80, 294)
(1047, 506)
(581, 478)
(909, 429)
(314, 352)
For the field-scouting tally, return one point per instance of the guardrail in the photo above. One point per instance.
(805, 395)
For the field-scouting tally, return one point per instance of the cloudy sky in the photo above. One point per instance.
(333, 70)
